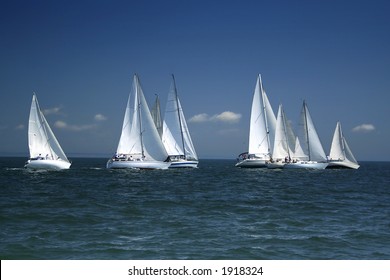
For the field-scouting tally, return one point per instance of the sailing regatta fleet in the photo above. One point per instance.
(150, 141)
(273, 144)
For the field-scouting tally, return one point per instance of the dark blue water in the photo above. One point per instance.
(217, 211)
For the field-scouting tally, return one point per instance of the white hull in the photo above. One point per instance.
(343, 164)
(47, 164)
(137, 164)
(306, 165)
(252, 163)
(275, 165)
(184, 164)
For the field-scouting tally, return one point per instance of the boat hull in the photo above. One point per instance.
(252, 163)
(343, 164)
(137, 164)
(275, 165)
(184, 164)
(47, 164)
(306, 165)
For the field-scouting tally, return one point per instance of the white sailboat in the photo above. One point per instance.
(284, 141)
(176, 136)
(140, 145)
(261, 130)
(45, 151)
(311, 154)
(340, 154)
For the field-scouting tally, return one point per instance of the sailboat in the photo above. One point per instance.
(340, 154)
(283, 143)
(176, 136)
(311, 154)
(261, 130)
(45, 151)
(140, 144)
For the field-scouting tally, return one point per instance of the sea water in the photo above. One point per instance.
(217, 211)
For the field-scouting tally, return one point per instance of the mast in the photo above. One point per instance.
(139, 116)
(342, 140)
(265, 116)
(285, 133)
(306, 128)
(178, 113)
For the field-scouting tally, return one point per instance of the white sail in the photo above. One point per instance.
(37, 139)
(140, 144)
(43, 144)
(340, 153)
(282, 145)
(156, 115)
(298, 153)
(261, 130)
(262, 123)
(348, 153)
(312, 146)
(125, 141)
(176, 136)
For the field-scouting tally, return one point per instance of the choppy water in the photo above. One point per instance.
(217, 211)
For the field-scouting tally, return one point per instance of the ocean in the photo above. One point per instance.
(216, 211)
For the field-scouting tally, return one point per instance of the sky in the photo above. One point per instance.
(79, 57)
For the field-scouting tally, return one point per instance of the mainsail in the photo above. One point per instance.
(41, 139)
(139, 136)
(284, 141)
(340, 149)
(262, 123)
(312, 146)
(176, 136)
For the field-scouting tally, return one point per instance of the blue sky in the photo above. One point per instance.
(80, 56)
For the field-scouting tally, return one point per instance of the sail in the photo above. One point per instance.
(312, 144)
(262, 123)
(139, 133)
(348, 153)
(270, 120)
(298, 151)
(41, 139)
(176, 136)
(150, 138)
(156, 115)
(188, 145)
(282, 145)
(126, 144)
(339, 149)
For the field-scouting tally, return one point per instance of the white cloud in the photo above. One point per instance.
(52, 111)
(72, 127)
(199, 118)
(60, 124)
(364, 128)
(100, 117)
(226, 117)
(19, 127)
